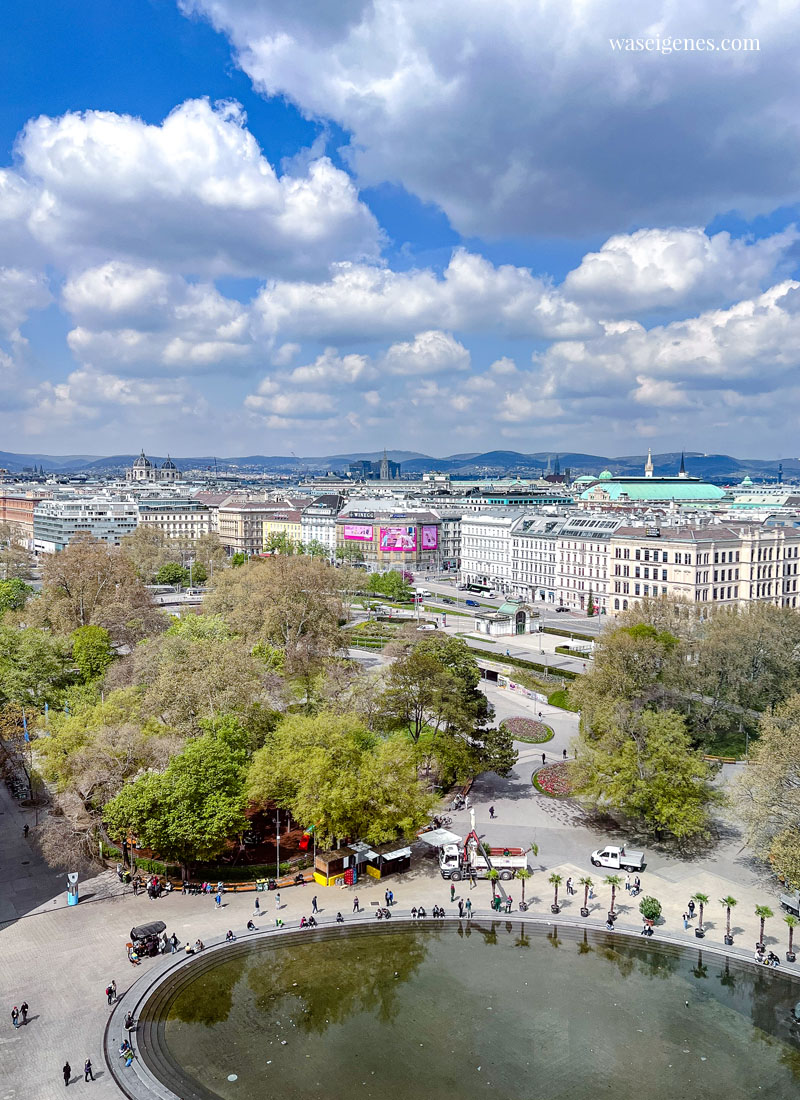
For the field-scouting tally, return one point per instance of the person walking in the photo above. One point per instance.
(387, 897)
(114, 988)
(314, 904)
(452, 891)
(468, 907)
(491, 812)
(15, 1016)
(509, 903)
(564, 754)
(67, 1071)
(24, 1011)
(218, 901)
(109, 994)
(473, 882)
(628, 883)
(25, 830)
(569, 886)
(685, 921)
(173, 944)
(544, 758)
(87, 1070)
(690, 907)
(278, 900)
(356, 906)
(256, 907)
(460, 908)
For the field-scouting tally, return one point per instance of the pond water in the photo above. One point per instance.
(498, 1009)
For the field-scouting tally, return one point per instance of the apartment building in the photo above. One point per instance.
(283, 521)
(241, 525)
(383, 536)
(318, 521)
(17, 510)
(715, 565)
(563, 560)
(56, 522)
(177, 519)
(486, 548)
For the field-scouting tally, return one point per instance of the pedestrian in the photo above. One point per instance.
(87, 1070)
(277, 901)
(564, 754)
(129, 1024)
(108, 993)
(690, 907)
(356, 906)
(685, 922)
(25, 830)
(544, 758)
(509, 903)
(218, 901)
(173, 943)
(628, 883)
(473, 882)
(256, 908)
(637, 882)
(452, 891)
(114, 988)
(24, 1010)
(15, 1016)
(460, 908)
(569, 885)
(540, 716)
(468, 907)
(67, 1071)
(387, 897)
(591, 892)
(314, 904)
(391, 897)
(491, 812)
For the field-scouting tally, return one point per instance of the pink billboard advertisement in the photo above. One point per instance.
(398, 538)
(358, 531)
(430, 538)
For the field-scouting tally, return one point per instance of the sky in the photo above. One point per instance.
(242, 227)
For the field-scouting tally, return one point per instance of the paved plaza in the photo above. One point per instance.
(61, 959)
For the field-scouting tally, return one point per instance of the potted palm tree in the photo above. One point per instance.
(763, 912)
(587, 884)
(555, 881)
(702, 901)
(494, 875)
(792, 922)
(613, 881)
(728, 903)
(523, 874)
(650, 908)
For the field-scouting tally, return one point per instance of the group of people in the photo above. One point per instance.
(198, 946)
(308, 922)
(635, 887)
(154, 886)
(21, 1012)
(766, 958)
(88, 1075)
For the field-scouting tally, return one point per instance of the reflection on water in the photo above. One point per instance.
(501, 1008)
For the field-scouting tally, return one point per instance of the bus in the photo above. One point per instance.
(481, 589)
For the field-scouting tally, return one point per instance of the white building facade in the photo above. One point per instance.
(56, 522)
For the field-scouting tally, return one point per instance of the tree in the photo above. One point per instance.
(239, 559)
(35, 667)
(644, 765)
(353, 555)
(208, 551)
(390, 584)
(523, 874)
(291, 602)
(332, 773)
(147, 549)
(763, 912)
(494, 878)
(278, 542)
(316, 549)
(13, 595)
(92, 583)
(495, 748)
(614, 881)
(590, 608)
(728, 904)
(15, 558)
(555, 881)
(91, 651)
(791, 921)
(633, 664)
(650, 908)
(587, 885)
(172, 572)
(767, 795)
(702, 901)
(189, 811)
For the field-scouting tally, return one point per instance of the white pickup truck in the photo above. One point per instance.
(618, 858)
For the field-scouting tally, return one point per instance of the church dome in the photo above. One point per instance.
(606, 475)
(169, 464)
(142, 462)
(584, 479)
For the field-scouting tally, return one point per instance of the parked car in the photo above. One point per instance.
(562, 609)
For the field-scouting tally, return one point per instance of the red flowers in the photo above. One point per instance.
(554, 780)
(527, 729)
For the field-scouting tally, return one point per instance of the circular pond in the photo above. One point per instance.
(510, 1009)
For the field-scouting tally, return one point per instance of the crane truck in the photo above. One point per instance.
(470, 857)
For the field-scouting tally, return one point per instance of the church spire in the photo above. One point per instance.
(648, 466)
(682, 471)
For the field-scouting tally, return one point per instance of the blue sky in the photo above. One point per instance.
(261, 226)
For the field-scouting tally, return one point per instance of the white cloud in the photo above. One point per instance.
(428, 353)
(661, 269)
(285, 355)
(367, 302)
(520, 118)
(143, 320)
(330, 369)
(21, 292)
(298, 405)
(194, 194)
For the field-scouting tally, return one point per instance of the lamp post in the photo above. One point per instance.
(277, 844)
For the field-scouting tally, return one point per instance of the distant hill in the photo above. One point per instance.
(499, 463)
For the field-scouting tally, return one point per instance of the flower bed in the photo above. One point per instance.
(527, 729)
(553, 780)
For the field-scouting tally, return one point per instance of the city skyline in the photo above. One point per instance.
(240, 228)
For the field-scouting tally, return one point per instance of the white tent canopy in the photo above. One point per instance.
(437, 837)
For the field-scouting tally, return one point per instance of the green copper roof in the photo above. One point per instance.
(653, 489)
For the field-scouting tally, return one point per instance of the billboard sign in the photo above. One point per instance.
(398, 539)
(430, 538)
(361, 532)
